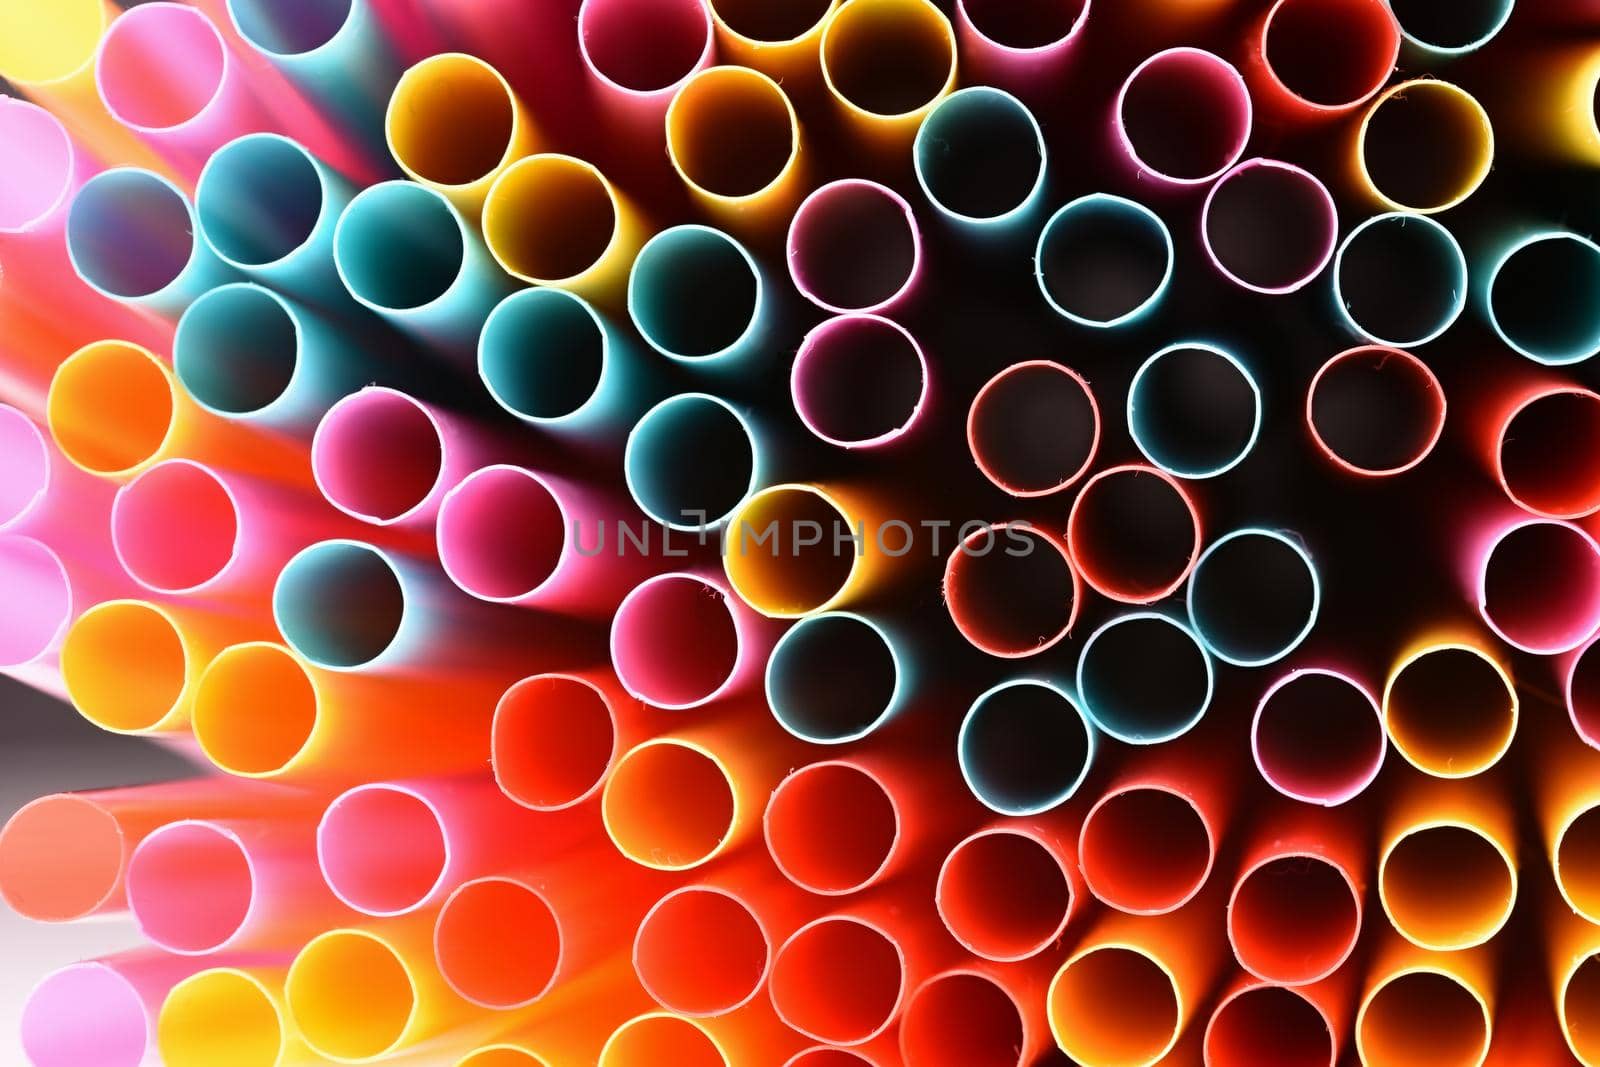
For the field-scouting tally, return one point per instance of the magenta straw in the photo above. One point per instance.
(854, 245)
(637, 53)
(859, 381)
(101, 1013)
(1269, 226)
(1183, 116)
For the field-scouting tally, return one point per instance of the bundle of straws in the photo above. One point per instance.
(820, 533)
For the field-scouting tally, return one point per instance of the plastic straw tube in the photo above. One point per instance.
(403, 251)
(498, 943)
(268, 207)
(680, 641)
(112, 408)
(384, 457)
(1254, 596)
(979, 157)
(1011, 590)
(1425, 1013)
(1575, 860)
(208, 545)
(734, 140)
(500, 1056)
(546, 356)
(1269, 1024)
(1450, 708)
(245, 352)
(1318, 58)
(394, 847)
(835, 678)
(1543, 449)
(1133, 533)
(1103, 260)
(965, 1017)
(789, 551)
(1146, 849)
(557, 220)
(1577, 996)
(1318, 736)
(35, 617)
(1005, 893)
(1269, 226)
(839, 979)
(1025, 747)
(1183, 116)
(886, 63)
(701, 951)
(859, 381)
(1375, 411)
(121, 994)
(1034, 428)
(1194, 410)
(1400, 279)
(132, 236)
(833, 828)
(197, 887)
(553, 741)
(1019, 41)
(261, 711)
(854, 245)
(1116, 1005)
(166, 73)
(783, 41)
(639, 52)
(1447, 885)
(45, 497)
(696, 295)
(454, 125)
(1424, 146)
(1581, 689)
(1538, 585)
(343, 605)
(41, 881)
(129, 666)
(670, 805)
(662, 1038)
(827, 1056)
(1532, 301)
(1452, 31)
(226, 1014)
(1294, 917)
(1145, 678)
(691, 461)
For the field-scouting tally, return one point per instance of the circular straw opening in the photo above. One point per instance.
(832, 828)
(669, 805)
(1194, 410)
(1425, 145)
(1024, 747)
(542, 354)
(839, 980)
(1578, 1006)
(1253, 597)
(1115, 1004)
(1539, 586)
(399, 247)
(41, 880)
(260, 198)
(979, 156)
(502, 533)
(551, 219)
(763, 22)
(789, 551)
(1450, 710)
(962, 1019)
(644, 47)
(1004, 894)
(552, 741)
(853, 245)
(888, 58)
(1184, 116)
(1011, 590)
(1145, 679)
(340, 604)
(125, 666)
(221, 1016)
(160, 66)
(351, 996)
(27, 473)
(497, 943)
(130, 233)
(1294, 918)
(41, 602)
(1548, 453)
(1576, 862)
(661, 1038)
(690, 461)
(378, 455)
(675, 641)
(383, 849)
(1446, 886)
(833, 678)
(111, 407)
(1318, 737)
(452, 120)
(287, 28)
(694, 293)
(1454, 29)
(255, 710)
(1400, 279)
(859, 381)
(1539, 298)
(162, 551)
(1583, 694)
(1103, 260)
(732, 133)
(52, 1027)
(1133, 533)
(1269, 226)
(237, 349)
(1375, 411)
(1330, 54)
(1033, 429)
(1022, 26)
(191, 887)
(700, 951)
(501, 1056)
(1269, 1024)
(40, 180)
(1423, 1018)
(1145, 850)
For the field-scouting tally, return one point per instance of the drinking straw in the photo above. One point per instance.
(1450, 706)
(1034, 428)
(1269, 226)
(886, 63)
(1315, 59)
(1104, 260)
(834, 827)
(859, 381)
(701, 951)
(1375, 411)
(835, 678)
(1133, 533)
(1005, 893)
(1424, 146)
(499, 943)
(1025, 747)
(1128, 699)
(454, 125)
(1182, 117)
(979, 158)
(1400, 279)
(1318, 736)
(1146, 848)
(734, 140)
(1011, 590)
(854, 245)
